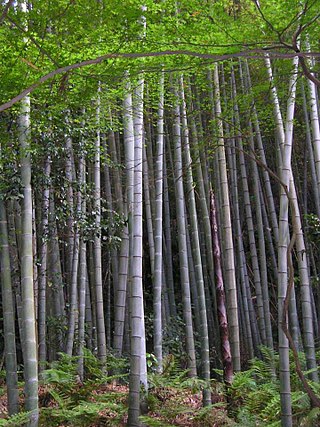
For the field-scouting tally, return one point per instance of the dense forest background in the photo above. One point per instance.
(160, 203)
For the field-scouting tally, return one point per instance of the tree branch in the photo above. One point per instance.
(252, 54)
(5, 11)
(257, 4)
(302, 61)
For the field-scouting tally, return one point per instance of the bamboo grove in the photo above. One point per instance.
(158, 206)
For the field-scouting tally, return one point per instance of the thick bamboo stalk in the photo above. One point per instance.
(182, 239)
(138, 375)
(249, 221)
(43, 265)
(82, 276)
(158, 234)
(101, 331)
(195, 243)
(222, 312)
(29, 323)
(230, 279)
(8, 316)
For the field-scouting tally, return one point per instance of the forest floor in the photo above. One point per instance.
(169, 407)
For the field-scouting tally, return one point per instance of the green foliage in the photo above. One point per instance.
(314, 226)
(153, 422)
(152, 361)
(83, 414)
(174, 395)
(312, 419)
(117, 364)
(16, 420)
(211, 415)
(255, 394)
(79, 404)
(173, 342)
(173, 376)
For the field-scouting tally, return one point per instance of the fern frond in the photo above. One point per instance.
(84, 414)
(311, 419)
(16, 420)
(57, 376)
(62, 399)
(153, 422)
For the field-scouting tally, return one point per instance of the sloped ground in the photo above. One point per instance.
(167, 407)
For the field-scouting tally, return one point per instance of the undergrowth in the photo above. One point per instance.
(173, 398)
(74, 403)
(255, 394)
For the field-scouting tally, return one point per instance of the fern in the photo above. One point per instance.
(270, 357)
(84, 414)
(212, 415)
(16, 420)
(57, 376)
(112, 398)
(256, 392)
(116, 364)
(153, 422)
(172, 409)
(62, 399)
(66, 363)
(312, 419)
(173, 376)
(261, 370)
(258, 398)
(76, 403)
(271, 411)
(245, 418)
(242, 384)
